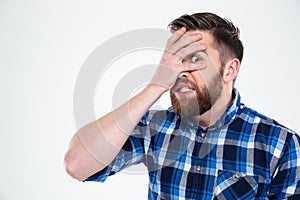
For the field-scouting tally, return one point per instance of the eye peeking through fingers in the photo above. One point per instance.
(195, 59)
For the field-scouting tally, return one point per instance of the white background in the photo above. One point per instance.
(43, 45)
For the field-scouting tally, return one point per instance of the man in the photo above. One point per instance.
(208, 145)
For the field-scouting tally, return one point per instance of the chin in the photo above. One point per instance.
(189, 107)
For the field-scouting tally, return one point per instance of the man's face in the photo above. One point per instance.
(194, 93)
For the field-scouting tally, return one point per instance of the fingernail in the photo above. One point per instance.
(182, 29)
(202, 46)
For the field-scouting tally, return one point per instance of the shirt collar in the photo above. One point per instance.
(233, 107)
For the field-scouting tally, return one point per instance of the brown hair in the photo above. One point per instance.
(223, 30)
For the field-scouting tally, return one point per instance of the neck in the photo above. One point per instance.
(210, 117)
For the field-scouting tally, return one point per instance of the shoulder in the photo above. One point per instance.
(159, 117)
(262, 124)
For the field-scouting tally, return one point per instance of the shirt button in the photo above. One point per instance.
(198, 168)
(203, 135)
(238, 175)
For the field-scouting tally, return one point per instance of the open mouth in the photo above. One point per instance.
(184, 88)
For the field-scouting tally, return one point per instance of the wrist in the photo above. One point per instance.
(155, 88)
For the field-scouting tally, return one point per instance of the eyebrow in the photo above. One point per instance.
(202, 51)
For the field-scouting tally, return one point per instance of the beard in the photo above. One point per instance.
(200, 103)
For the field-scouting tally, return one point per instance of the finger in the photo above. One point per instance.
(184, 41)
(175, 37)
(189, 50)
(187, 67)
(167, 54)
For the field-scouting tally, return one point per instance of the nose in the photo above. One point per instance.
(184, 75)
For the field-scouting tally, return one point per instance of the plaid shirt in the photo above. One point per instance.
(245, 155)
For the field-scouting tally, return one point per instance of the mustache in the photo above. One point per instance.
(181, 80)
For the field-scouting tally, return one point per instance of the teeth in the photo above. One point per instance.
(185, 89)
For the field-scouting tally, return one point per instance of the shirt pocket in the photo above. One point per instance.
(234, 185)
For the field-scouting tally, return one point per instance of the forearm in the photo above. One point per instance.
(95, 145)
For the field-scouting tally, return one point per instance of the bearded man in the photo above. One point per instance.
(208, 145)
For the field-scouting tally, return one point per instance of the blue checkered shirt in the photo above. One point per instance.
(245, 155)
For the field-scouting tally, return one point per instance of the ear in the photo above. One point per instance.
(231, 69)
